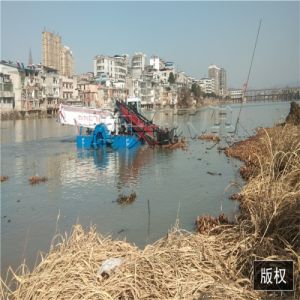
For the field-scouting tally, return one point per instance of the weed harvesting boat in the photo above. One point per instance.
(125, 127)
(145, 129)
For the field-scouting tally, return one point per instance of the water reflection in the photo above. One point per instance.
(124, 166)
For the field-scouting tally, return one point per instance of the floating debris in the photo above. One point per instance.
(123, 199)
(206, 223)
(213, 173)
(222, 148)
(182, 144)
(37, 179)
(209, 137)
(3, 178)
(108, 266)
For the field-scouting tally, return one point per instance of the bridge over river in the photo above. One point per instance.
(282, 94)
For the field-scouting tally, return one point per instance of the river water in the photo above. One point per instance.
(82, 186)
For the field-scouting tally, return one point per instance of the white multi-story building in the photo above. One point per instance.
(156, 62)
(121, 62)
(219, 75)
(69, 90)
(15, 77)
(138, 64)
(207, 85)
(115, 67)
(6, 93)
(34, 88)
(162, 76)
(235, 94)
(182, 78)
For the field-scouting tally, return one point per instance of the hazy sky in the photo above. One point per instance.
(192, 34)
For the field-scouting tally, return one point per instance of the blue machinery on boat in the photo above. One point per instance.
(101, 136)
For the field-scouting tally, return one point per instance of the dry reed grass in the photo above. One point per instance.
(270, 201)
(204, 224)
(209, 137)
(180, 266)
(37, 179)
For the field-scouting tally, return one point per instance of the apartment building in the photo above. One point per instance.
(67, 62)
(69, 91)
(16, 77)
(115, 67)
(156, 62)
(219, 76)
(138, 64)
(181, 79)
(207, 85)
(55, 55)
(35, 87)
(6, 93)
(235, 94)
(51, 55)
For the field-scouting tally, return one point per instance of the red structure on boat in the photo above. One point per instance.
(144, 128)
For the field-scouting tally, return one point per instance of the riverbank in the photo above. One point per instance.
(22, 115)
(216, 264)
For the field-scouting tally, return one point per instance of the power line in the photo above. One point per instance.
(248, 76)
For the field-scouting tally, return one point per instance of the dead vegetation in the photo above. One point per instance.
(124, 199)
(270, 200)
(206, 223)
(37, 179)
(3, 178)
(181, 144)
(182, 265)
(209, 137)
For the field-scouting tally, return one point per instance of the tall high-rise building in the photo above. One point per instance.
(55, 55)
(219, 76)
(51, 50)
(67, 61)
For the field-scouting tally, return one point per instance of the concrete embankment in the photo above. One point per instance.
(21, 115)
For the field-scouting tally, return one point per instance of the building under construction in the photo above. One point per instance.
(56, 55)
